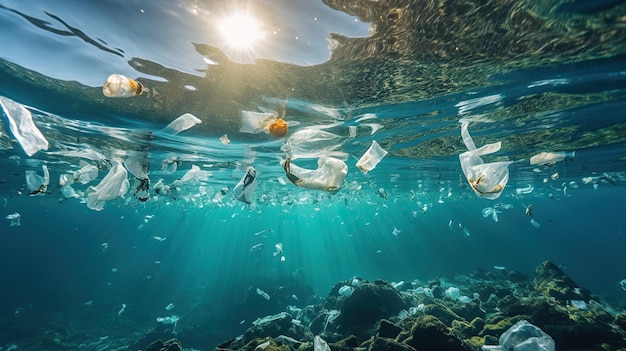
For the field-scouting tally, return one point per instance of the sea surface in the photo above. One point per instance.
(536, 76)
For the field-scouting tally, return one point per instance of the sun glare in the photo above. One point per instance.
(241, 31)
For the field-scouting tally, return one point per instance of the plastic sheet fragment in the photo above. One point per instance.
(114, 184)
(182, 123)
(22, 126)
(37, 185)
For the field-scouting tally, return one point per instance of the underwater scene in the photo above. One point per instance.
(313, 175)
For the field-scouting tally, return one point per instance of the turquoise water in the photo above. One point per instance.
(414, 216)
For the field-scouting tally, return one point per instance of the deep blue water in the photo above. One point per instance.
(64, 254)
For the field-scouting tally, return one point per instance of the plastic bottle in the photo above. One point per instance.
(118, 85)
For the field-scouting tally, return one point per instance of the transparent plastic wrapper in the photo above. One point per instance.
(523, 336)
(114, 184)
(86, 174)
(37, 184)
(22, 126)
(181, 124)
(550, 158)
(313, 143)
(371, 158)
(328, 176)
(486, 179)
(138, 164)
(118, 85)
(244, 189)
(255, 122)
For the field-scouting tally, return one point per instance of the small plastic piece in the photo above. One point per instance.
(22, 126)
(550, 158)
(490, 211)
(267, 121)
(244, 189)
(169, 307)
(486, 179)
(224, 139)
(15, 219)
(328, 176)
(118, 85)
(182, 123)
(263, 294)
(371, 158)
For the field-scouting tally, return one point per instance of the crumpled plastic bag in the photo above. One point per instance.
(244, 189)
(37, 185)
(256, 122)
(523, 336)
(486, 179)
(22, 126)
(328, 176)
(114, 184)
(138, 164)
(371, 158)
(313, 143)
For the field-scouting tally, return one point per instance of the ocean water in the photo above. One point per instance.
(546, 77)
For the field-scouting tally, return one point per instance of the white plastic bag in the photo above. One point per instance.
(523, 336)
(37, 185)
(244, 189)
(114, 184)
(256, 122)
(328, 176)
(486, 179)
(371, 158)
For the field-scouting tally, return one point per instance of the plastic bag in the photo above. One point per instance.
(328, 176)
(182, 123)
(114, 184)
(37, 184)
(486, 179)
(370, 159)
(256, 122)
(313, 143)
(22, 126)
(244, 189)
(523, 336)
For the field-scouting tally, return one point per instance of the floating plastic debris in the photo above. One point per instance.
(271, 318)
(119, 313)
(169, 307)
(486, 179)
(15, 219)
(158, 238)
(550, 158)
(244, 189)
(523, 191)
(138, 164)
(465, 299)
(395, 231)
(523, 336)
(535, 223)
(346, 290)
(382, 193)
(313, 143)
(224, 139)
(279, 249)
(256, 122)
(118, 85)
(104, 247)
(37, 185)
(371, 158)
(453, 293)
(181, 124)
(529, 210)
(193, 176)
(22, 126)
(579, 304)
(499, 268)
(328, 176)
(263, 294)
(113, 185)
(256, 248)
(555, 176)
(490, 211)
(173, 319)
